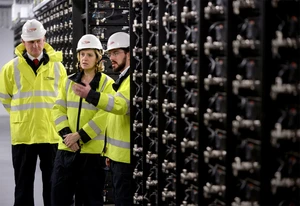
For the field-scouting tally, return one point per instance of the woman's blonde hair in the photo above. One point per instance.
(99, 67)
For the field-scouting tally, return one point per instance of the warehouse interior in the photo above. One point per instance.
(215, 93)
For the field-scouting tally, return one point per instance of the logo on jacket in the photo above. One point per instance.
(48, 78)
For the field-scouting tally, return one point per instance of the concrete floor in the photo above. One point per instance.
(6, 170)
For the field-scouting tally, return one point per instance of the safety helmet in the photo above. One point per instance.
(89, 41)
(33, 30)
(118, 40)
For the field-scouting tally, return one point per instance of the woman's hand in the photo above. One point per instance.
(71, 138)
(74, 147)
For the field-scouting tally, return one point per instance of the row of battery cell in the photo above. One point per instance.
(155, 134)
(246, 86)
(106, 18)
(57, 20)
(138, 157)
(285, 96)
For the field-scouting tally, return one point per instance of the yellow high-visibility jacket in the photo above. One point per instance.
(118, 122)
(29, 97)
(91, 121)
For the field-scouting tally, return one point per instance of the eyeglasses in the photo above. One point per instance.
(115, 53)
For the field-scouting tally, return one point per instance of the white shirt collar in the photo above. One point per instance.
(32, 58)
(123, 72)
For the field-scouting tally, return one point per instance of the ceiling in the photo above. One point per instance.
(10, 2)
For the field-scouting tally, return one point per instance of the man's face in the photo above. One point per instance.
(118, 59)
(34, 47)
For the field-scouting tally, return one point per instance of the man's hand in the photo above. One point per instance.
(81, 90)
(70, 139)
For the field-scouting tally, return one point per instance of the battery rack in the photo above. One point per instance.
(104, 19)
(285, 96)
(215, 102)
(101, 18)
(58, 18)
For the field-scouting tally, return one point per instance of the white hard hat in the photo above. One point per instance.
(118, 40)
(32, 30)
(89, 41)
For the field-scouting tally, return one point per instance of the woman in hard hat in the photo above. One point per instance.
(117, 147)
(79, 165)
(28, 89)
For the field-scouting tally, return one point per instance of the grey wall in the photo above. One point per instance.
(7, 53)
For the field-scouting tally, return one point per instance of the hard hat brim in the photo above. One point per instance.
(31, 38)
(107, 50)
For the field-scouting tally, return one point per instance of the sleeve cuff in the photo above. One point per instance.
(64, 131)
(84, 136)
(93, 97)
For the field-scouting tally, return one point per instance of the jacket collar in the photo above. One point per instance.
(119, 81)
(44, 59)
(94, 83)
(53, 56)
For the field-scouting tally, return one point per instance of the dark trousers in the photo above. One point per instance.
(77, 174)
(24, 159)
(122, 181)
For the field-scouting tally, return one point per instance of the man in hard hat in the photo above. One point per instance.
(79, 161)
(28, 88)
(117, 138)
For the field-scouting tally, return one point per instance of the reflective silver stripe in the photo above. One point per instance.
(41, 105)
(110, 104)
(128, 111)
(99, 137)
(72, 104)
(22, 94)
(35, 93)
(67, 85)
(118, 143)
(61, 103)
(56, 74)
(118, 94)
(5, 96)
(104, 84)
(6, 106)
(45, 93)
(88, 106)
(61, 119)
(84, 105)
(127, 101)
(17, 78)
(95, 127)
